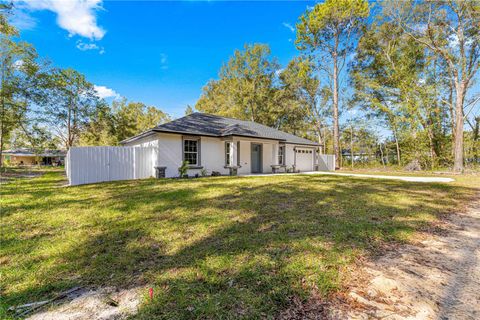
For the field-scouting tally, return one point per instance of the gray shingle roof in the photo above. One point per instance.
(30, 152)
(216, 126)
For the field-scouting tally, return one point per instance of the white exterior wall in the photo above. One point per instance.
(267, 157)
(212, 156)
(212, 153)
(245, 157)
(170, 151)
(289, 155)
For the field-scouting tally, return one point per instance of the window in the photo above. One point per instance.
(281, 155)
(228, 155)
(190, 151)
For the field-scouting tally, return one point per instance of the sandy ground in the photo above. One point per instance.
(437, 278)
(94, 304)
(372, 176)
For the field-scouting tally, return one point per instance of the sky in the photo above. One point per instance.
(160, 53)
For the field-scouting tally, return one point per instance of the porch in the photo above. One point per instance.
(258, 156)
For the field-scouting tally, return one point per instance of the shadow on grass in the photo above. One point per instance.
(222, 247)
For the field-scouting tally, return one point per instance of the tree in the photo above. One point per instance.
(72, 101)
(100, 128)
(189, 110)
(251, 87)
(34, 137)
(20, 80)
(327, 32)
(451, 30)
(132, 118)
(245, 89)
(305, 97)
(385, 69)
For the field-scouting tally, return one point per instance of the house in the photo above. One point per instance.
(227, 146)
(28, 157)
(358, 156)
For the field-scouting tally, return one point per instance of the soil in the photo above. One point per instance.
(436, 278)
(104, 303)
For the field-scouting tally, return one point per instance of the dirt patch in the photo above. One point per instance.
(6, 177)
(104, 303)
(438, 278)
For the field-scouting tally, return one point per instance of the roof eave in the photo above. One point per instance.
(138, 136)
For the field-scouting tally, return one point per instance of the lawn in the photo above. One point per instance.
(216, 247)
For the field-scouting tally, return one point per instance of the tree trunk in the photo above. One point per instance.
(381, 155)
(3, 116)
(351, 145)
(336, 136)
(397, 146)
(321, 141)
(1, 145)
(458, 145)
(476, 134)
(432, 148)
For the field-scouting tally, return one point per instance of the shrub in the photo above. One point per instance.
(182, 171)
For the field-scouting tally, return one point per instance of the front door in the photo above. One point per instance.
(256, 158)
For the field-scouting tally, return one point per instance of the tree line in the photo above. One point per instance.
(410, 67)
(396, 80)
(43, 106)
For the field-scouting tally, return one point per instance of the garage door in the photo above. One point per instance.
(304, 159)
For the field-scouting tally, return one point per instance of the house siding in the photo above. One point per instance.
(212, 153)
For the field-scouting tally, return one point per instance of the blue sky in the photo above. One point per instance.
(158, 52)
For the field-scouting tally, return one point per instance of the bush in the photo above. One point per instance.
(182, 171)
(414, 165)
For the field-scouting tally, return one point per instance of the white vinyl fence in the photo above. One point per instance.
(97, 164)
(326, 162)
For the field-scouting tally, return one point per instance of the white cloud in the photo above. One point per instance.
(82, 46)
(78, 17)
(288, 26)
(453, 41)
(104, 92)
(22, 20)
(86, 46)
(19, 63)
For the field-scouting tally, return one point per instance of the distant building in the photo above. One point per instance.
(359, 156)
(27, 157)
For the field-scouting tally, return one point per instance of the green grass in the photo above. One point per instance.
(211, 247)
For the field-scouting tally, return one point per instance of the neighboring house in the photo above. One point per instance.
(226, 146)
(27, 157)
(358, 156)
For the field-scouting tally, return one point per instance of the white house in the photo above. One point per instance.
(227, 146)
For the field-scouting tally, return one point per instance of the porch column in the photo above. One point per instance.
(275, 154)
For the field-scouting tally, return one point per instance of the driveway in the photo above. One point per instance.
(436, 278)
(403, 178)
